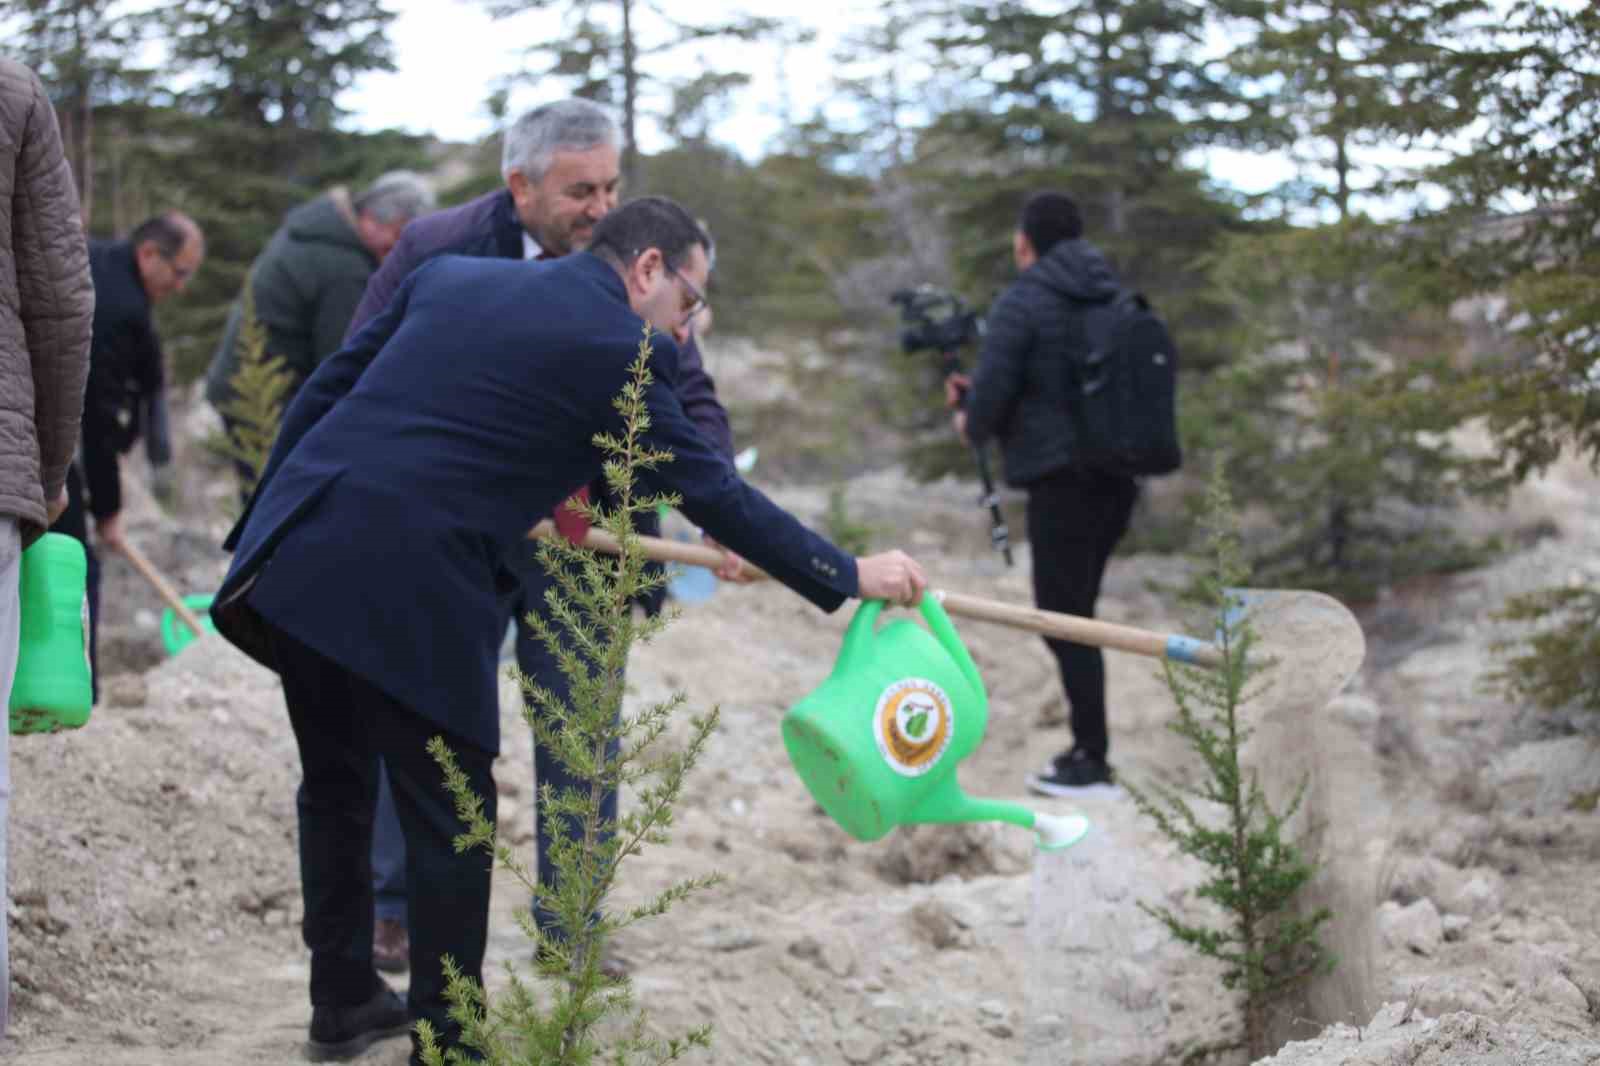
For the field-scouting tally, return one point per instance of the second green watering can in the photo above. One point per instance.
(878, 742)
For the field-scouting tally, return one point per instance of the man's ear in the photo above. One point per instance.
(647, 265)
(1022, 250)
(521, 188)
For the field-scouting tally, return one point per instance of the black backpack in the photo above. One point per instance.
(1122, 389)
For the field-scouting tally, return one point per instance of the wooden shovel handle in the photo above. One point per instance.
(163, 588)
(1081, 630)
(1046, 623)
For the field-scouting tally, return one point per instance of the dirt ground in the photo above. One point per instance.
(155, 896)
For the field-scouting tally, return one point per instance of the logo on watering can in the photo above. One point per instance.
(913, 723)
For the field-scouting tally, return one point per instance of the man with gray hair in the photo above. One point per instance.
(306, 284)
(561, 165)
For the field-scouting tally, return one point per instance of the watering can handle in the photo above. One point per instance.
(945, 632)
(860, 634)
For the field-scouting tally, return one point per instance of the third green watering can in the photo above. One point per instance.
(878, 742)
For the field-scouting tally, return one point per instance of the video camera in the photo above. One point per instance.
(935, 318)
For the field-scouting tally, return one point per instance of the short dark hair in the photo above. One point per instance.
(166, 231)
(648, 222)
(1049, 218)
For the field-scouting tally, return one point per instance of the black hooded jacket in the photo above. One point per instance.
(1019, 392)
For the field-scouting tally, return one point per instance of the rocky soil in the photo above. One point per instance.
(155, 900)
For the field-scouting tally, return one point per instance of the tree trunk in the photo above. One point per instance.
(1255, 1031)
(82, 123)
(1341, 146)
(83, 153)
(1105, 107)
(630, 98)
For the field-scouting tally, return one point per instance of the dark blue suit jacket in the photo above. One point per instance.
(414, 457)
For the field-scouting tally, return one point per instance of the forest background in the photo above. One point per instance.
(1429, 272)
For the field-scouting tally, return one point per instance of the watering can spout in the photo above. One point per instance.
(1057, 831)
(949, 804)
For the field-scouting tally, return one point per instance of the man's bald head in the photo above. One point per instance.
(169, 249)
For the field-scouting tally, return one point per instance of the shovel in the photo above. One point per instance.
(1313, 637)
(1316, 646)
(179, 606)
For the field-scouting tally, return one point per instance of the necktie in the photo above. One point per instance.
(571, 523)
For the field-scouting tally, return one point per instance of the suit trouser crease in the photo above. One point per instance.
(388, 854)
(343, 724)
(1074, 523)
(537, 662)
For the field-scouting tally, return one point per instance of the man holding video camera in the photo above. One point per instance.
(1020, 394)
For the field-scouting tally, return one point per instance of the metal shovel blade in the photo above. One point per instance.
(1314, 642)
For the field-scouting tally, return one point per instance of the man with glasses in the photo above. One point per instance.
(125, 397)
(562, 168)
(406, 468)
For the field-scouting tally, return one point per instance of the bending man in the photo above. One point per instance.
(369, 569)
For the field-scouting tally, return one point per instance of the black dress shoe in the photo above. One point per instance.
(344, 1032)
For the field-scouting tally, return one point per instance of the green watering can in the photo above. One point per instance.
(175, 634)
(878, 742)
(52, 689)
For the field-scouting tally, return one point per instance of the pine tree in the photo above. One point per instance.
(252, 133)
(1344, 441)
(1345, 81)
(1254, 870)
(80, 50)
(611, 53)
(1557, 663)
(581, 1016)
(1106, 101)
(278, 65)
(892, 80)
(260, 388)
(1524, 219)
(1347, 447)
(1524, 228)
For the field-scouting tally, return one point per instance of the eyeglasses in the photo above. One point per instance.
(179, 274)
(697, 299)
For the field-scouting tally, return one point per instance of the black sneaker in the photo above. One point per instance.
(344, 1032)
(1071, 773)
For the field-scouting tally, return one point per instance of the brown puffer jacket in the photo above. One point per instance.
(46, 303)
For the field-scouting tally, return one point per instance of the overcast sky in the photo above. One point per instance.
(450, 54)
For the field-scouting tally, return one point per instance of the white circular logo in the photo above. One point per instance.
(913, 723)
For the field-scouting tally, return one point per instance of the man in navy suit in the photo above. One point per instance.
(562, 167)
(369, 568)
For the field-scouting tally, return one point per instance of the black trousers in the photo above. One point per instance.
(343, 724)
(1074, 522)
(539, 663)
